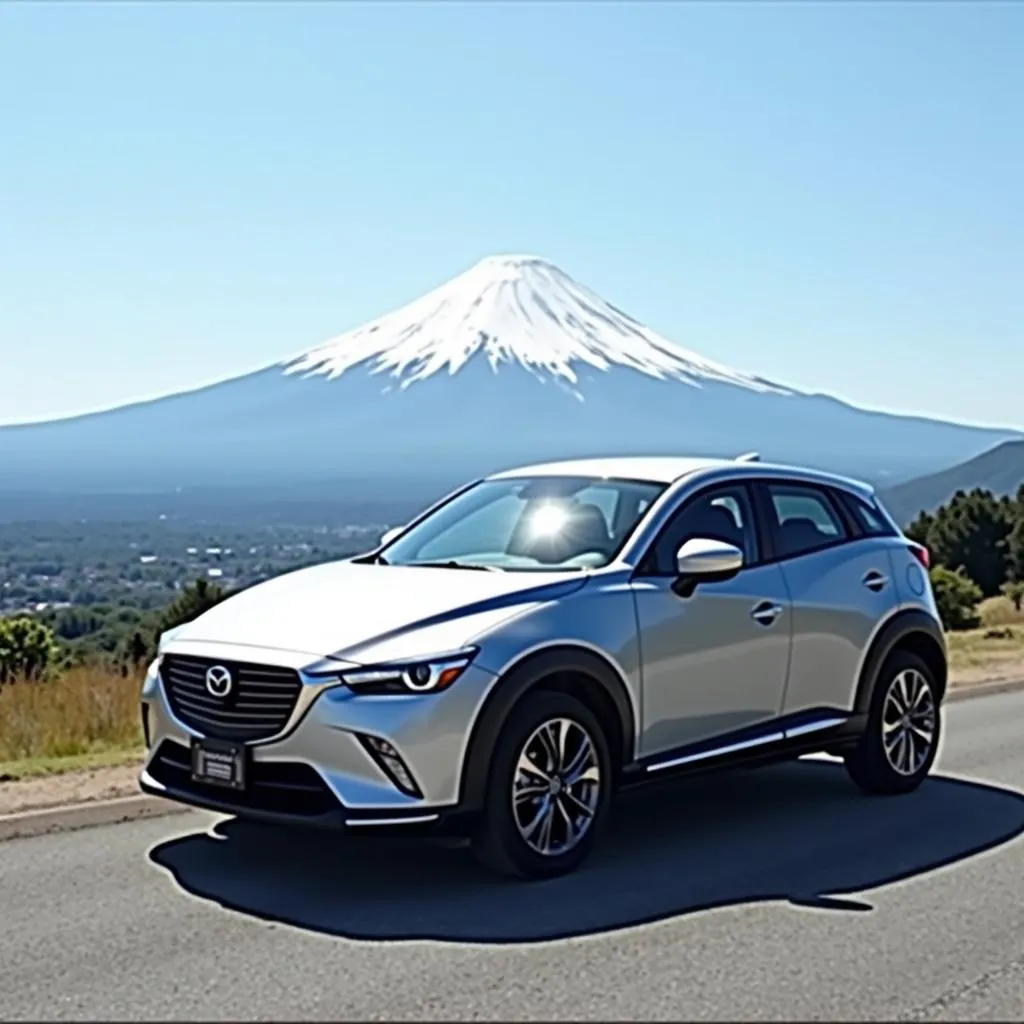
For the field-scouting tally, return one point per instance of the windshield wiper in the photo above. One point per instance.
(452, 564)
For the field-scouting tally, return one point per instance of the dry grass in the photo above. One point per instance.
(995, 651)
(45, 767)
(980, 655)
(999, 611)
(87, 712)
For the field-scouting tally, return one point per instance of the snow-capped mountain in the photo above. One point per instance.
(513, 310)
(510, 361)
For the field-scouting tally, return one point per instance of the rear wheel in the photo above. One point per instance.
(901, 740)
(548, 790)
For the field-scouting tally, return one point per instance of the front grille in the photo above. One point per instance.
(258, 705)
(277, 787)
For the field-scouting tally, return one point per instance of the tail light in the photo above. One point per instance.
(920, 552)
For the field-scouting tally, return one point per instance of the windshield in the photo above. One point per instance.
(528, 523)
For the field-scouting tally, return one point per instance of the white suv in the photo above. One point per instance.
(546, 636)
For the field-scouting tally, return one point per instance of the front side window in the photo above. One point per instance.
(722, 513)
(805, 520)
(528, 523)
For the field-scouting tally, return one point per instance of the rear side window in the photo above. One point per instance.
(805, 519)
(871, 520)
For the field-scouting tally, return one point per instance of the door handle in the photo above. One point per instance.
(874, 580)
(766, 612)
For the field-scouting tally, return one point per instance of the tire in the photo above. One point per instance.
(882, 763)
(500, 843)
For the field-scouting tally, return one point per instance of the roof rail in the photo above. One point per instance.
(748, 457)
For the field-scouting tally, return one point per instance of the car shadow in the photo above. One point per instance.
(798, 832)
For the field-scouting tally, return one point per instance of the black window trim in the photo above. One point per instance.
(765, 519)
(829, 495)
(763, 544)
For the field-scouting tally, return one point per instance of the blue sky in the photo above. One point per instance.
(829, 195)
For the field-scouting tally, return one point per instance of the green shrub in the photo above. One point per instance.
(958, 598)
(195, 599)
(28, 650)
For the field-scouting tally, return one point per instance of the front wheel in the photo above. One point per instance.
(548, 790)
(901, 740)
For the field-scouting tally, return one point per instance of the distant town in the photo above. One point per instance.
(48, 566)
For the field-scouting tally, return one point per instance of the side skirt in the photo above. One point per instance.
(782, 739)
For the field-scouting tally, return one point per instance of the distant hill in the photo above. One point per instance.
(510, 362)
(999, 470)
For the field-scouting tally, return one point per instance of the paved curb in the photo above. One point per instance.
(984, 689)
(134, 808)
(85, 815)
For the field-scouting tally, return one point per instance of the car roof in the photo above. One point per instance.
(667, 469)
(662, 469)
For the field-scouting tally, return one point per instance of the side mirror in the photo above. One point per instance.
(390, 535)
(703, 560)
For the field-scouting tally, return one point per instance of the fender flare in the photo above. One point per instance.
(924, 635)
(522, 677)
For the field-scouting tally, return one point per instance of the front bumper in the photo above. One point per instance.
(320, 772)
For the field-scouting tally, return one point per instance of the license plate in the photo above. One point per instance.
(218, 763)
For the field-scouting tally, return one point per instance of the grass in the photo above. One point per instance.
(40, 767)
(995, 651)
(90, 717)
(999, 611)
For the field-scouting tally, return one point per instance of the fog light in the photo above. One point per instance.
(390, 762)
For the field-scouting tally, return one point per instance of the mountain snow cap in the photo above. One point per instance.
(515, 310)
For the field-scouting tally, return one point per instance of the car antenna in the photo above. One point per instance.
(748, 457)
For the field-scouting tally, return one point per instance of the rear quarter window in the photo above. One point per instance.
(869, 517)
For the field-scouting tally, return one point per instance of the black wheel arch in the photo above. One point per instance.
(575, 670)
(910, 630)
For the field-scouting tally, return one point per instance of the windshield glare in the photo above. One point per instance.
(529, 523)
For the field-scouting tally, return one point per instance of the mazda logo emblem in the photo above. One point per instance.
(218, 681)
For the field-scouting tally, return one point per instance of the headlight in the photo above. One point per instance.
(151, 680)
(426, 675)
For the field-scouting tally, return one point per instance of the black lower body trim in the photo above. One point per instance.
(289, 793)
(781, 739)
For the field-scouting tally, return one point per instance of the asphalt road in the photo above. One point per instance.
(777, 894)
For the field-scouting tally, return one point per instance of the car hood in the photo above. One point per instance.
(350, 610)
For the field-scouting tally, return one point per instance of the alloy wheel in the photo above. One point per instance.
(556, 787)
(908, 722)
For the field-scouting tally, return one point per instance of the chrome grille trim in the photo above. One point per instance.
(261, 706)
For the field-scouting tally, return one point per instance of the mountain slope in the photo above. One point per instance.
(1000, 470)
(511, 361)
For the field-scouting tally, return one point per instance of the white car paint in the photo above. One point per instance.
(338, 608)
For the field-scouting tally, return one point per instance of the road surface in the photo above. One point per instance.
(775, 894)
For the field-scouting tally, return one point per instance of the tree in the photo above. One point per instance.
(917, 531)
(1015, 541)
(1013, 590)
(137, 649)
(190, 604)
(957, 598)
(28, 650)
(971, 533)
